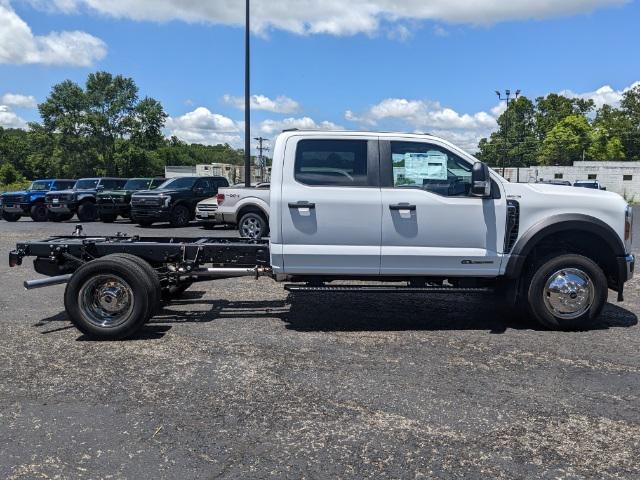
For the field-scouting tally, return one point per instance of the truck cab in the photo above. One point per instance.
(31, 202)
(81, 199)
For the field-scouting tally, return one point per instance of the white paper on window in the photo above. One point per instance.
(425, 166)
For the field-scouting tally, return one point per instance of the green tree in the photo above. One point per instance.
(630, 109)
(567, 142)
(554, 108)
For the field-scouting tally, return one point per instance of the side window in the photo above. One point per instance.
(341, 163)
(430, 167)
(204, 184)
(112, 184)
(155, 183)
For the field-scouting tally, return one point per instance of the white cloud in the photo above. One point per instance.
(605, 95)
(18, 100)
(273, 127)
(9, 119)
(203, 126)
(280, 104)
(18, 44)
(335, 17)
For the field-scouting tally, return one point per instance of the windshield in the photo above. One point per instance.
(137, 184)
(86, 184)
(40, 186)
(183, 183)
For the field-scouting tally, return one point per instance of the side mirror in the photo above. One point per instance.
(480, 180)
(100, 188)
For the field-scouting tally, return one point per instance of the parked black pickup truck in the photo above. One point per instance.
(81, 200)
(117, 203)
(175, 201)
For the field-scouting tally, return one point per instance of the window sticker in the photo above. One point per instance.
(431, 165)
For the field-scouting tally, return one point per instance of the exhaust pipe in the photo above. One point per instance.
(47, 282)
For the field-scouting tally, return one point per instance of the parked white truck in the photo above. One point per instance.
(246, 208)
(398, 213)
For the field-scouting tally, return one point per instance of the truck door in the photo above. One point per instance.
(330, 206)
(431, 225)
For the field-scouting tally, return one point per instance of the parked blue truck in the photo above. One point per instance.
(31, 201)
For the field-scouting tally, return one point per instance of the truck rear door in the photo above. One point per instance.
(330, 206)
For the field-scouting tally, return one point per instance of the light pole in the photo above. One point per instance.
(247, 99)
(507, 97)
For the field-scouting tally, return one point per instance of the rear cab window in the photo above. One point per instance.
(339, 163)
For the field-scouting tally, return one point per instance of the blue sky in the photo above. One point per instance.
(411, 65)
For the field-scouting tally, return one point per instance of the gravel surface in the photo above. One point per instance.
(238, 379)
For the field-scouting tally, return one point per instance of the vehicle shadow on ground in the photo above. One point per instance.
(340, 312)
(320, 312)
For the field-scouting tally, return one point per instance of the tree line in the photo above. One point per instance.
(557, 130)
(101, 128)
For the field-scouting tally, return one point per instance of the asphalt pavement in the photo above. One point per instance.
(239, 379)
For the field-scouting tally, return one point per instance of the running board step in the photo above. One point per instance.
(382, 289)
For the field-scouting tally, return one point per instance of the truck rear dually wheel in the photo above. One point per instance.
(110, 298)
(566, 292)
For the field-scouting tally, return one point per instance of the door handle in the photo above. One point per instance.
(402, 206)
(308, 205)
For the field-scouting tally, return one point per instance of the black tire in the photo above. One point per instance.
(576, 297)
(180, 216)
(87, 212)
(60, 217)
(155, 287)
(81, 298)
(11, 217)
(108, 218)
(253, 225)
(175, 291)
(39, 213)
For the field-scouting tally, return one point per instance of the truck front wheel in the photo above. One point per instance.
(566, 292)
(39, 213)
(87, 212)
(11, 217)
(180, 216)
(110, 298)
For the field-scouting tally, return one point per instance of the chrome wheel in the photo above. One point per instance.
(251, 227)
(569, 293)
(106, 301)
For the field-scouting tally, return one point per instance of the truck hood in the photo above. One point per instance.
(20, 193)
(539, 202)
(117, 193)
(71, 191)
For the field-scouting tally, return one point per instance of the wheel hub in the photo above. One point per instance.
(106, 300)
(569, 293)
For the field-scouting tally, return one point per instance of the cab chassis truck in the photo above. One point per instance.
(398, 213)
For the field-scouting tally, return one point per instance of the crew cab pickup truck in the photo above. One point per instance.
(174, 201)
(30, 202)
(117, 203)
(399, 213)
(81, 199)
(248, 208)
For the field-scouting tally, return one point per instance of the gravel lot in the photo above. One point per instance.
(240, 380)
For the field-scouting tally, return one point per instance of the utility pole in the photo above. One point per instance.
(507, 97)
(261, 159)
(247, 99)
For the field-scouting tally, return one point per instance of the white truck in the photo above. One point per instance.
(248, 208)
(369, 213)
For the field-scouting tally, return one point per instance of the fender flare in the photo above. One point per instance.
(556, 224)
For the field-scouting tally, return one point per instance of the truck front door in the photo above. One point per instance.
(431, 225)
(330, 207)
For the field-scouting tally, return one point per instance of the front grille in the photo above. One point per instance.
(512, 229)
(110, 200)
(142, 208)
(146, 201)
(207, 208)
(10, 199)
(59, 196)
